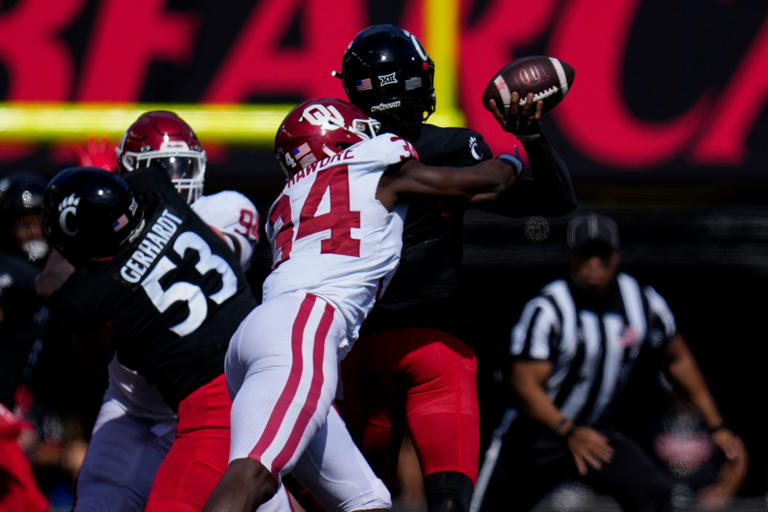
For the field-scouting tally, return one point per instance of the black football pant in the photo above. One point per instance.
(530, 467)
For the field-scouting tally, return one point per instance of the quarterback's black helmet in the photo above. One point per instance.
(89, 214)
(388, 75)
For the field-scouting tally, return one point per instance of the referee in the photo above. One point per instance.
(573, 349)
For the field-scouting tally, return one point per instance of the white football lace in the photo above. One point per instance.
(541, 95)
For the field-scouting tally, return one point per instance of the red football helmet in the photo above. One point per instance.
(161, 138)
(319, 128)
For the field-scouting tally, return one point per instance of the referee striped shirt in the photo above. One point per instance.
(592, 352)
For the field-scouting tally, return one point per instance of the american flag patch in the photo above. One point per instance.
(363, 85)
(301, 151)
(628, 337)
(120, 223)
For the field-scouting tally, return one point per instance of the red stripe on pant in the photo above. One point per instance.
(294, 378)
(313, 396)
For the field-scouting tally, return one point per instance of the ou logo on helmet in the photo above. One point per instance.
(327, 117)
(67, 207)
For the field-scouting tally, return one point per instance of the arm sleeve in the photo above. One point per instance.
(534, 332)
(464, 148)
(236, 217)
(545, 188)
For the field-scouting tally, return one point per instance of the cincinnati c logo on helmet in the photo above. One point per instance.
(67, 207)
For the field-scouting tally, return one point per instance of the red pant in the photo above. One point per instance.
(18, 488)
(198, 457)
(425, 378)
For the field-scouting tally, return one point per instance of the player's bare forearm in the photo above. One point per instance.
(484, 181)
(492, 178)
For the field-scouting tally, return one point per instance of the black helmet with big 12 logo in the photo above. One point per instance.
(89, 214)
(388, 75)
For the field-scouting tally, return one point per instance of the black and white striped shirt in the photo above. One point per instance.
(592, 351)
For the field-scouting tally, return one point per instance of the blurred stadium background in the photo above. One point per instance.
(665, 129)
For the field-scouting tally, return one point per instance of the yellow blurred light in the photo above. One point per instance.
(248, 125)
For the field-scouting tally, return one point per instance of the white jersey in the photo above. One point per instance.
(235, 216)
(331, 237)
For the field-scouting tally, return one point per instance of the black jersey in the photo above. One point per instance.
(21, 322)
(424, 290)
(173, 296)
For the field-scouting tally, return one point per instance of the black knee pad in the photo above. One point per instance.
(448, 491)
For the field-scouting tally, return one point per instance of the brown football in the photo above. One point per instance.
(548, 78)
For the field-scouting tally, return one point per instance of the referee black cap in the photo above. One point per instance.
(592, 228)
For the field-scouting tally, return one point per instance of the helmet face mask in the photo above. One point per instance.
(89, 214)
(367, 127)
(29, 237)
(387, 74)
(162, 139)
(320, 128)
(21, 201)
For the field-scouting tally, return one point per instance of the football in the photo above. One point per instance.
(548, 78)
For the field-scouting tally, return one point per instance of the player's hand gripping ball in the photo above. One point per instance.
(527, 80)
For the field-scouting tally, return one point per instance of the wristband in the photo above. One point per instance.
(513, 161)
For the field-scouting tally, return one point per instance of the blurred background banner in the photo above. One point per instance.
(660, 94)
(665, 129)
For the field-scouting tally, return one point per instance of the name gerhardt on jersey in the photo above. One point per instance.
(173, 296)
(329, 234)
(150, 247)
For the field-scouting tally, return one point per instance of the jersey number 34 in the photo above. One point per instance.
(339, 219)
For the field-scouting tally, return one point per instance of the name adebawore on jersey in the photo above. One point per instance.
(347, 154)
(329, 161)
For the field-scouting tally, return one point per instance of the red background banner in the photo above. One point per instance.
(659, 93)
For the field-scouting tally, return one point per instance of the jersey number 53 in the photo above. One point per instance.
(193, 295)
